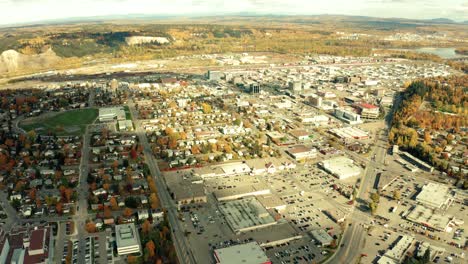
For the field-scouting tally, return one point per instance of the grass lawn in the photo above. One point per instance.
(67, 123)
(128, 116)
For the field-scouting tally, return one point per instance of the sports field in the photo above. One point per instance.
(66, 123)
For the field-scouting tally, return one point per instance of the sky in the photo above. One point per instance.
(26, 11)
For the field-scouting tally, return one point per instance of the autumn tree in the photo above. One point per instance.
(150, 246)
(114, 204)
(127, 212)
(107, 212)
(146, 227)
(132, 259)
(59, 208)
(154, 201)
(90, 227)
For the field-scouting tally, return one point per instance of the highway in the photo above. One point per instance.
(180, 242)
(353, 239)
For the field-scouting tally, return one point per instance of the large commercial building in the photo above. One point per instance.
(302, 152)
(369, 111)
(427, 217)
(215, 75)
(241, 190)
(246, 214)
(250, 253)
(341, 167)
(434, 195)
(398, 252)
(127, 239)
(348, 116)
(348, 133)
(111, 114)
(31, 245)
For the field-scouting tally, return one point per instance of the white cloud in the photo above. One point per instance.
(18, 11)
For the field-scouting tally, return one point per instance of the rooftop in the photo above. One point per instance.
(246, 214)
(428, 217)
(126, 235)
(250, 253)
(433, 194)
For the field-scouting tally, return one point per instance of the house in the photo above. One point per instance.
(270, 168)
(142, 215)
(99, 191)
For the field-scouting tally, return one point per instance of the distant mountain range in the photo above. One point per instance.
(143, 17)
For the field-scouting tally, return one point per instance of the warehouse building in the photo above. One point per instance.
(250, 253)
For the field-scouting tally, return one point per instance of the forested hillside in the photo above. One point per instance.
(431, 122)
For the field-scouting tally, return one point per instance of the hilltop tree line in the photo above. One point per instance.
(431, 113)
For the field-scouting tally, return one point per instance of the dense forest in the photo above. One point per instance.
(431, 115)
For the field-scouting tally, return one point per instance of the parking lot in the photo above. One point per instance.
(297, 251)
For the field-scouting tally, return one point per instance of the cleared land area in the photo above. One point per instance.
(67, 123)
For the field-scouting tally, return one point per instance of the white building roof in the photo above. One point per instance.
(433, 195)
(341, 167)
(250, 253)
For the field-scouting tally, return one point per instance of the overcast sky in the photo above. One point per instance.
(23, 11)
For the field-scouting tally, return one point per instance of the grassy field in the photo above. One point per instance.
(67, 123)
(128, 116)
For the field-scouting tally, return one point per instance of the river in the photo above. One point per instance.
(445, 53)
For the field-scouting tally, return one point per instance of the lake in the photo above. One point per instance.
(445, 53)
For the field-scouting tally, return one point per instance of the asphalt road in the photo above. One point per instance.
(81, 213)
(353, 239)
(180, 241)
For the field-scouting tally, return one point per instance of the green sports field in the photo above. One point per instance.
(67, 123)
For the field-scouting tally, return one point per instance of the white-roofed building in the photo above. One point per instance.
(127, 239)
(250, 253)
(341, 167)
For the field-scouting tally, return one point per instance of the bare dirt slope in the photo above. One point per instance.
(13, 61)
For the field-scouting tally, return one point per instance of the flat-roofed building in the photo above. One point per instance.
(127, 239)
(301, 152)
(427, 217)
(347, 116)
(421, 164)
(272, 202)
(249, 253)
(240, 191)
(111, 113)
(368, 111)
(350, 133)
(322, 237)
(434, 195)
(341, 167)
(246, 214)
(398, 251)
(300, 134)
